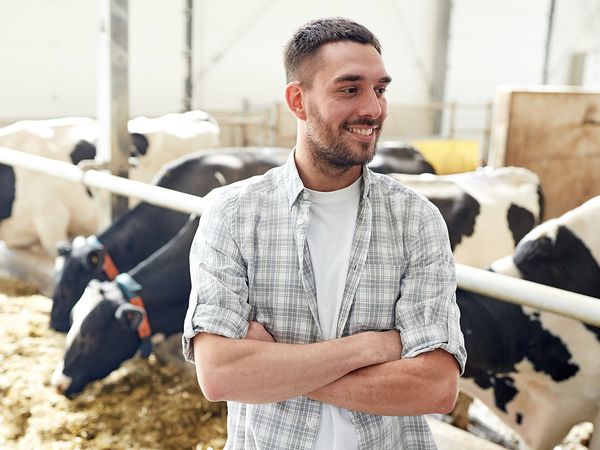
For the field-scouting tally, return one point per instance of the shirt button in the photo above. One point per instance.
(305, 196)
(300, 221)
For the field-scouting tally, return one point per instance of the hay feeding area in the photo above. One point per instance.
(146, 404)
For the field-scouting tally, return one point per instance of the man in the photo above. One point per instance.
(322, 306)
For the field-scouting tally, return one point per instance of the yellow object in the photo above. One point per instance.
(449, 155)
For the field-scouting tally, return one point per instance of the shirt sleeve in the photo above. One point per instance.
(219, 295)
(427, 315)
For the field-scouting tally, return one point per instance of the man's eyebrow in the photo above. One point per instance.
(345, 78)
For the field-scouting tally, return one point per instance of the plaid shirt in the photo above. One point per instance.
(250, 261)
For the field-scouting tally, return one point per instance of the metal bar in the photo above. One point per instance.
(154, 195)
(502, 287)
(187, 54)
(548, 43)
(526, 293)
(113, 94)
(440, 60)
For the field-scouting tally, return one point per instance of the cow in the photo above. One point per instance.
(77, 366)
(398, 157)
(144, 229)
(40, 209)
(487, 211)
(538, 371)
(109, 326)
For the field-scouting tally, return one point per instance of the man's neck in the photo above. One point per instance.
(325, 179)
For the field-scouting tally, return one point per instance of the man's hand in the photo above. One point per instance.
(257, 332)
(386, 343)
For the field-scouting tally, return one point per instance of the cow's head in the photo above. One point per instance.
(562, 252)
(103, 335)
(76, 264)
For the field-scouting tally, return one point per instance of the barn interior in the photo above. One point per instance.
(507, 91)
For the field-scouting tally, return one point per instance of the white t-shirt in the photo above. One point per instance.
(329, 237)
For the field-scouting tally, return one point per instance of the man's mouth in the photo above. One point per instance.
(362, 131)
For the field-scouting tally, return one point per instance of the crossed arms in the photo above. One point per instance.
(362, 372)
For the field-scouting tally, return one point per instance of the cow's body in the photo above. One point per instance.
(539, 371)
(74, 368)
(46, 209)
(397, 157)
(487, 211)
(144, 229)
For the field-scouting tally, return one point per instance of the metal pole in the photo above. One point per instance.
(522, 292)
(113, 94)
(154, 195)
(580, 307)
(440, 60)
(548, 42)
(187, 54)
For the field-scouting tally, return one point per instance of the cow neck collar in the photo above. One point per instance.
(109, 267)
(130, 287)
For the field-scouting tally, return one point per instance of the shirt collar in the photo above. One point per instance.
(294, 186)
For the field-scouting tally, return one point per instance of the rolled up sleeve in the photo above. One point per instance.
(427, 315)
(219, 295)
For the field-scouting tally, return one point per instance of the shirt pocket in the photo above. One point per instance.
(374, 305)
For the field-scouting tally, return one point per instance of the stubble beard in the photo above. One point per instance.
(328, 151)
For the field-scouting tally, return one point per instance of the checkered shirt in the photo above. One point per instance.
(250, 261)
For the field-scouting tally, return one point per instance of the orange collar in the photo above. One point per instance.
(109, 266)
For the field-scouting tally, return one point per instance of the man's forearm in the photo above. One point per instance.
(253, 371)
(412, 386)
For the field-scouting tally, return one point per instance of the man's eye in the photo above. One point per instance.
(381, 90)
(351, 90)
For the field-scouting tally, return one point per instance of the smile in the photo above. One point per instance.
(362, 131)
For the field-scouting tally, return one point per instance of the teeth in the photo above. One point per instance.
(364, 132)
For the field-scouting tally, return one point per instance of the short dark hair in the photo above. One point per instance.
(306, 41)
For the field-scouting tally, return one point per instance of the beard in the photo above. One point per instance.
(333, 151)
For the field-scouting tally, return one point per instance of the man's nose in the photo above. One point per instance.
(371, 105)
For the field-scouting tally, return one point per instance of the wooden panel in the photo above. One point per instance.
(556, 134)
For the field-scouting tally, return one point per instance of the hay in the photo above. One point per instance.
(143, 405)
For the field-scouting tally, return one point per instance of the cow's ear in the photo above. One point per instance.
(139, 145)
(64, 248)
(130, 316)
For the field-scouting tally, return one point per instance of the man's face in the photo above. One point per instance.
(345, 105)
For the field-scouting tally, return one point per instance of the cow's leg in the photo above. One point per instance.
(52, 227)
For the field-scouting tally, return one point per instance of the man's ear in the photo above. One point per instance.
(295, 100)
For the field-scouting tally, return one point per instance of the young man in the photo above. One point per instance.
(322, 306)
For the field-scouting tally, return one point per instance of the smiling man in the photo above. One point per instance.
(322, 305)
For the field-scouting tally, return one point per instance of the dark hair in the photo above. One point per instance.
(306, 41)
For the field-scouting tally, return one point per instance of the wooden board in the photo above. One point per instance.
(555, 132)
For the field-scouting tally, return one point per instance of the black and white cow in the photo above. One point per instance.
(37, 208)
(536, 370)
(487, 211)
(398, 157)
(106, 325)
(76, 367)
(144, 229)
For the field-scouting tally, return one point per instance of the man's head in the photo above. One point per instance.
(301, 51)
(337, 91)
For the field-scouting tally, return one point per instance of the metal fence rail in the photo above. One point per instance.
(501, 287)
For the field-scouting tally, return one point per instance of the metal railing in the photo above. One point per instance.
(513, 290)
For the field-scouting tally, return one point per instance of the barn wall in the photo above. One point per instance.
(502, 42)
(49, 51)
